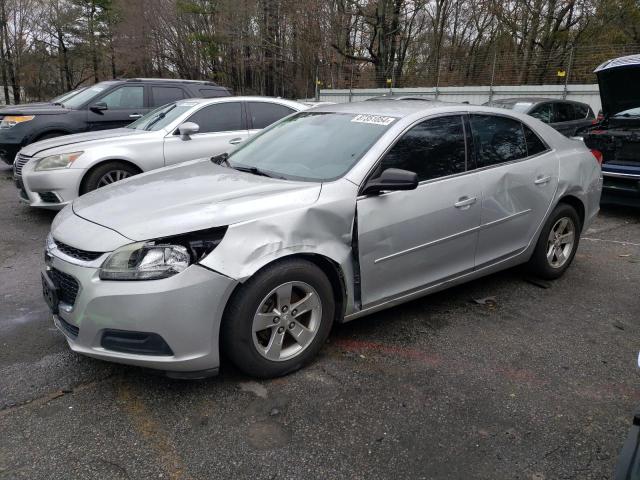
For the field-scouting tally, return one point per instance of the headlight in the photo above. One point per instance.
(160, 258)
(11, 120)
(63, 160)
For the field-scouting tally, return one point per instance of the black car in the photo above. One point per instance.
(616, 136)
(109, 104)
(565, 116)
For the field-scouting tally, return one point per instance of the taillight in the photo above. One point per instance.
(598, 156)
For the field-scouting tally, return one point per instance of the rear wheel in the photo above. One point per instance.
(106, 174)
(278, 320)
(557, 244)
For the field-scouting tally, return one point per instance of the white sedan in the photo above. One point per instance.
(51, 173)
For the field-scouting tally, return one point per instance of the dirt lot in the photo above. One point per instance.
(539, 385)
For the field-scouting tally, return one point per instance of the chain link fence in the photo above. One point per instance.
(488, 67)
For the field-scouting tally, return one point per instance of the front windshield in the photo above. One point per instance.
(632, 112)
(162, 116)
(66, 96)
(521, 107)
(311, 146)
(87, 94)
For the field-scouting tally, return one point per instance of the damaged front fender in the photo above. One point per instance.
(323, 228)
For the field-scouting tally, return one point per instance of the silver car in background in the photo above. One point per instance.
(51, 173)
(326, 216)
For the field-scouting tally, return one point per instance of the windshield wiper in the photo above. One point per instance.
(254, 170)
(220, 159)
(160, 116)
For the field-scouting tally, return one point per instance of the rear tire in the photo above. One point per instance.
(106, 174)
(557, 244)
(279, 319)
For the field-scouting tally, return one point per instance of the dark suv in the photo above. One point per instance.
(615, 139)
(110, 104)
(566, 116)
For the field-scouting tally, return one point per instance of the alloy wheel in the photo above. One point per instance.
(287, 321)
(561, 242)
(112, 176)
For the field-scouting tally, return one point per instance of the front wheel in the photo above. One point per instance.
(278, 320)
(106, 174)
(557, 244)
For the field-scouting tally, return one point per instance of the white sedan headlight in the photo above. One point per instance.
(145, 261)
(62, 160)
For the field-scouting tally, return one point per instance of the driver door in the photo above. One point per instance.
(411, 239)
(124, 105)
(222, 127)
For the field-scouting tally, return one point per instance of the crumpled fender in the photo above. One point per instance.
(323, 228)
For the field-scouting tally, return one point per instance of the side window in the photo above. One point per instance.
(210, 93)
(221, 117)
(164, 95)
(564, 113)
(264, 114)
(497, 139)
(534, 144)
(580, 111)
(543, 112)
(124, 97)
(432, 149)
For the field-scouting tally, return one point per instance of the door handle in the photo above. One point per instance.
(465, 202)
(235, 141)
(542, 180)
(135, 115)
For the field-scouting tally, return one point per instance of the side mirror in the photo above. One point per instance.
(99, 107)
(187, 129)
(390, 180)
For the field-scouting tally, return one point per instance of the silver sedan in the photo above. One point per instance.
(326, 216)
(51, 173)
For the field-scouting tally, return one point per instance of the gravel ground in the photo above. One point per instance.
(539, 385)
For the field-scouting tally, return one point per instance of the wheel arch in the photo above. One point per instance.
(102, 162)
(577, 204)
(329, 267)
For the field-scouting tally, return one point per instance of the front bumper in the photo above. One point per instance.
(51, 189)
(185, 310)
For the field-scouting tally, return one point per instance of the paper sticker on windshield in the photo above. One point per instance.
(374, 119)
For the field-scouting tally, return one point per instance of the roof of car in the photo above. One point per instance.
(627, 61)
(530, 100)
(399, 97)
(384, 107)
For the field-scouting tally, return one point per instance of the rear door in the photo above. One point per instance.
(518, 175)
(410, 239)
(222, 127)
(125, 104)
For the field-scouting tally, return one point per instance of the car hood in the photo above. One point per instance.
(188, 197)
(34, 109)
(80, 139)
(619, 89)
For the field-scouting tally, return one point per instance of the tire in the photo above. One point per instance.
(549, 264)
(114, 170)
(264, 297)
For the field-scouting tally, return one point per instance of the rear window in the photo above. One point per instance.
(164, 95)
(263, 114)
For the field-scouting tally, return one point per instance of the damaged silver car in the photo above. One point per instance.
(326, 216)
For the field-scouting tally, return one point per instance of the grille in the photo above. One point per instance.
(67, 286)
(77, 253)
(70, 329)
(19, 163)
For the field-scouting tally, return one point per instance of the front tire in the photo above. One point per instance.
(279, 319)
(557, 243)
(106, 174)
